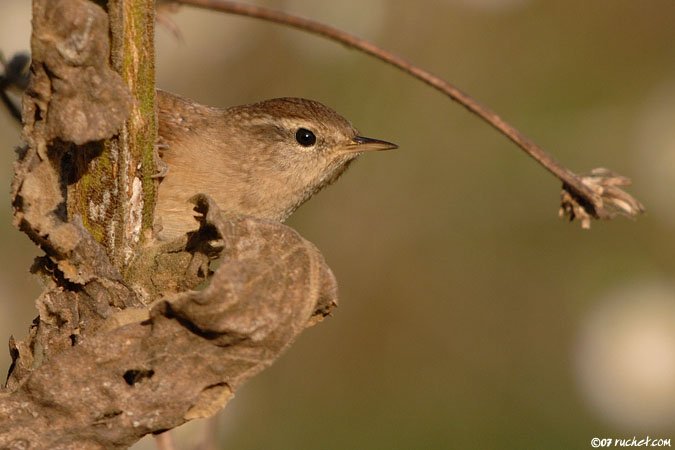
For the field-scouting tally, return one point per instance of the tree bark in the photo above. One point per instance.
(123, 345)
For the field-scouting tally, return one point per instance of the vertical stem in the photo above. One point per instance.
(132, 50)
(112, 188)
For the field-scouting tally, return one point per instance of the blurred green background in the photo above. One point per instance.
(470, 316)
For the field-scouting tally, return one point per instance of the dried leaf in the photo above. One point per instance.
(140, 371)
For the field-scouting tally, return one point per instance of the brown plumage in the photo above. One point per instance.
(262, 160)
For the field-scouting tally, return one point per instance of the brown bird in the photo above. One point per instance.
(262, 160)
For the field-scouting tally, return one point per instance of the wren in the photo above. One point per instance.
(262, 160)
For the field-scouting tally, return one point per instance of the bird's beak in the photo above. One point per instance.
(360, 144)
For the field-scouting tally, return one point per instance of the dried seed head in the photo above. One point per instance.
(609, 195)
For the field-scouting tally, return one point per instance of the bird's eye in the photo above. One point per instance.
(305, 137)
